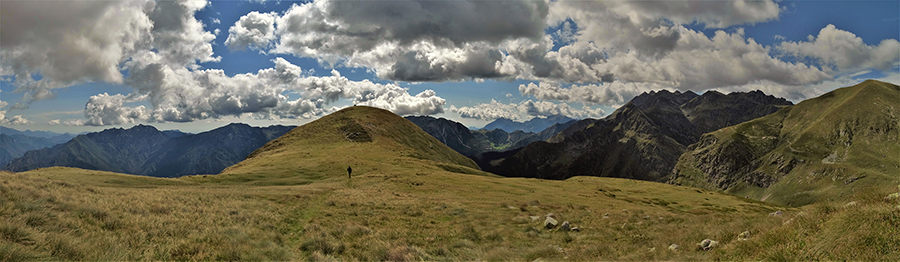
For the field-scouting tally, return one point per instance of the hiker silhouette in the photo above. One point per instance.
(349, 170)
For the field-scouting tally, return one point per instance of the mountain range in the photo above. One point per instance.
(472, 143)
(144, 150)
(14, 143)
(533, 125)
(822, 148)
(641, 140)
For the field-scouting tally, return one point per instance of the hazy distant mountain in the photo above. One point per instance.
(14, 143)
(474, 142)
(41, 134)
(823, 148)
(640, 140)
(14, 146)
(144, 150)
(534, 125)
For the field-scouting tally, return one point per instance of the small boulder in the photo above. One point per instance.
(565, 226)
(852, 203)
(673, 247)
(576, 229)
(549, 215)
(744, 235)
(707, 244)
(892, 196)
(550, 223)
(776, 213)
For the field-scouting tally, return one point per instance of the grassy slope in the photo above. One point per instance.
(845, 141)
(400, 207)
(73, 214)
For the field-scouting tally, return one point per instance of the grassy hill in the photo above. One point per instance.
(822, 149)
(409, 200)
(368, 139)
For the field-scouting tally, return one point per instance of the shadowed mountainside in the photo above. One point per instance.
(144, 150)
(641, 140)
(822, 148)
(474, 143)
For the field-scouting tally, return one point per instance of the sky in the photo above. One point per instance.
(79, 66)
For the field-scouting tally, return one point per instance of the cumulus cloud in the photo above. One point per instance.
(844, 51)
(14, 120)
(72, 42)
(255, 30)
(182, 95)
(430, 41)
(524, 110)
(610, 94)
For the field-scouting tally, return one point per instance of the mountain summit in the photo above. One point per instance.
(641, 140)
(368, 139)
(821, 148)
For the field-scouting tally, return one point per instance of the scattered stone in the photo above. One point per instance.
(625, 210)
(549, 215)
(652, 249)
(565, 226)
(892, 196)
(776, 213)
(852, 203)
(606, 215)
(646, 217)
(534, 218)
(550, 223)
(744, 235)
(708, 244)
(576, 229)
(673, 247)
(534, 203)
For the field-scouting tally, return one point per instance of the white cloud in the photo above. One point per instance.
(14, 120)
(72, 42)
(182, 95)
(844, 51)
(489, 111)
(610, 94)
(3, 104)
(255, 30)
(524, 110)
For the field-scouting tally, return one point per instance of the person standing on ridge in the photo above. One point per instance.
(349, 170)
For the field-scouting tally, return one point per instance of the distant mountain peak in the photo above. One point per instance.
(534, 125)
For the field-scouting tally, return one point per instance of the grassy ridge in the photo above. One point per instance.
(822, 149)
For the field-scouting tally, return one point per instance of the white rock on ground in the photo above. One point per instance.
(550, 223)
(708, 244)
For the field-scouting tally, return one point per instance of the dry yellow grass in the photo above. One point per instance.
(409, 199)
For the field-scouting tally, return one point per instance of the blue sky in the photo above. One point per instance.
(194, 66)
